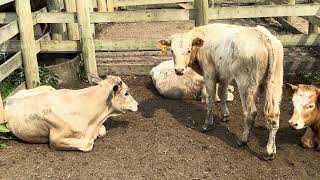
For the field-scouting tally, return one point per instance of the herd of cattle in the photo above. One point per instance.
(205, 61)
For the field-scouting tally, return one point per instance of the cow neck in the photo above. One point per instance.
(196, 64)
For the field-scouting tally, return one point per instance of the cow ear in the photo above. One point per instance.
(292, 88)
(164, 43)
(198, 42)
(115, 88)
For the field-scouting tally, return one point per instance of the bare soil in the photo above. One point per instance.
(163, 141)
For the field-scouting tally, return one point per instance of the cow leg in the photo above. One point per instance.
(223, 94)
(210, 84)
(307, 140)
(61, 141)
(102, 131)
(247, 96)
(273, 126)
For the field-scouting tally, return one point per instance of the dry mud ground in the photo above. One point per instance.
(162, 140)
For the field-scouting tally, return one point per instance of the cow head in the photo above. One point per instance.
(182, 47)
(120, 98)
(306, 105)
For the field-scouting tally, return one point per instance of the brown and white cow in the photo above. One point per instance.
(306, 113)
(67, 119)
(251, 56)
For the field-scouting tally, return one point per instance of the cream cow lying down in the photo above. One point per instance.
(188, 86)
(67, 119)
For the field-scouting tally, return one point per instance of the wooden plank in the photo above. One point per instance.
(186, 5)
(56, 29)
(15, 61)
(287, 25)
(10, 65)
(8, 31)
(102, 5)
(125, 69)
(150, 44)
(264, 11)
(28, 44)
(183, 14)
(110, 5)
(312, 19)
(290, 18)
(300, 40)
(22, 86)
(312, 28)
(143, 16)
(7, 17)
(201, 7)
(119, 3)
(86, 38)
(14, 46)
(2, 2)
(72, 28)
(120, 16)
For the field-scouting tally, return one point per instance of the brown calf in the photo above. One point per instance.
(306, 113)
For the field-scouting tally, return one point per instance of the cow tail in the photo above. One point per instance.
(2, 120)
(274, 79)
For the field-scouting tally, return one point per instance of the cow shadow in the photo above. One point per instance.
(111, 123)
(192, 114)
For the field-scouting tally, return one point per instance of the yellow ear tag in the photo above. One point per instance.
(164, 50)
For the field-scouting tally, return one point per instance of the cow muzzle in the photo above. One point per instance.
(179, 71)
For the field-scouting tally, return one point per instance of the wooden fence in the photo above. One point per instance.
(72, 27)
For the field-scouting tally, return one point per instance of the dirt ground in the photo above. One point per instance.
(162, 141)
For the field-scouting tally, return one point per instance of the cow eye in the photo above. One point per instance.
(126, 94)
(189, 51)
(310, 106)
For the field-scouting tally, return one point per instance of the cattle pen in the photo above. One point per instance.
(79, 16)
(162, 140)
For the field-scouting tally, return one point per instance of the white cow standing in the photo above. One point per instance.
(188, 86)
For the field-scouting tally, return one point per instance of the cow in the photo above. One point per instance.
(67, 119)
(306, 113)
(251, 56)
(188, 86)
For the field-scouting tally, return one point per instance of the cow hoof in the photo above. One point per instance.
(206, 127)
(225, 119)
(269, 157)
(241, 143)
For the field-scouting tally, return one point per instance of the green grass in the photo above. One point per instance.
(311, 77)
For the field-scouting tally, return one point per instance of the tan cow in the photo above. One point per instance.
(306, 114)
(188, 86)
(251, 56)
(67, 119)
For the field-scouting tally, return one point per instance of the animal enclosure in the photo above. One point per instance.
(72, 26)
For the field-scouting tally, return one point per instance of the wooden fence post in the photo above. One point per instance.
(102, 5)
(56, 29)
(312, 28)
(73, 33)
(90, 6)
(28, 43)
(211, 3)
(86, 37)
(201, 7)
(290, 18)
(110, 6)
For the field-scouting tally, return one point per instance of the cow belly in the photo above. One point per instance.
(27, 126)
